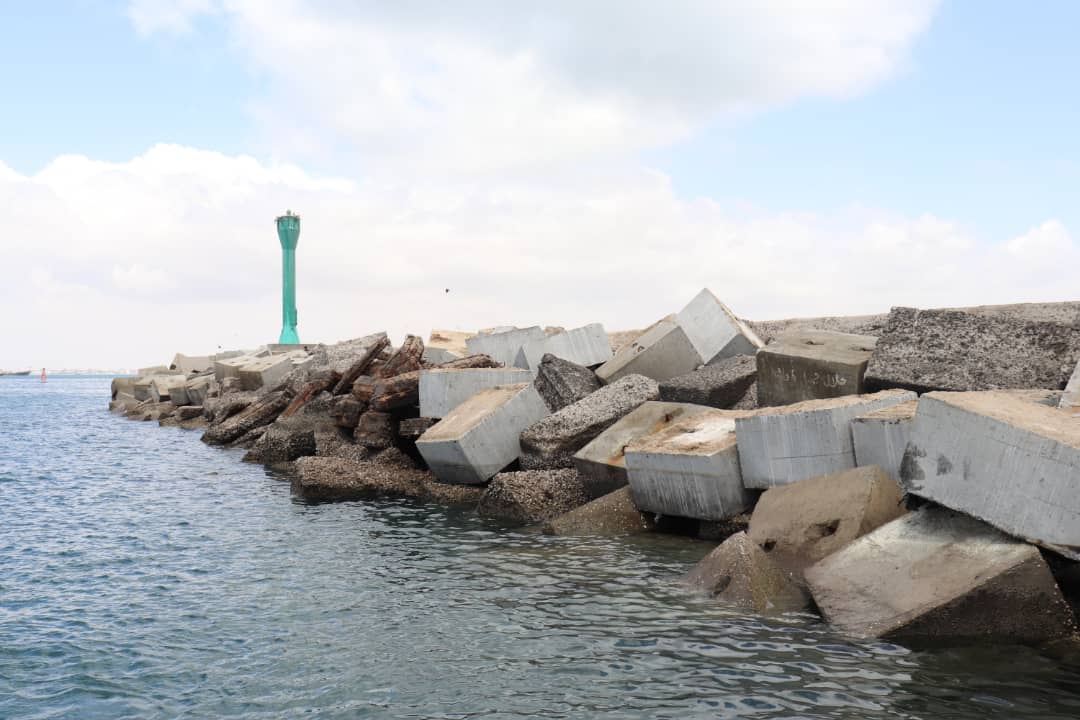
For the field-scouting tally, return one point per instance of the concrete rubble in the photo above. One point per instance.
(936, 574)
(722, 384)
(786, 444)
(880, 437)
(812, 365)
(1002, 458)
(481, 436)
(689, 468)
(562, 383)
(551, 442)
(741, 574)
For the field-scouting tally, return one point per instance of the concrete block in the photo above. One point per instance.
(927, 350)
(934, 574)
(562, 383)
(1070, 399)
(690, 468)
(443, 390)
(714, 330)
(265, 372)
(503, 347)
(811, 365)
(612, 514)
(720, 385)
(782, 445)
(552, 442)
(177, 391)
(200, 388)
(880, 437)
(446, 345)
(1002, 458)
(586, 346)
(191, 363)
(739, 573)
(662, 352)
(802, 523)
(229, 367)
(602, 463)
(532, 496)
(481, 436)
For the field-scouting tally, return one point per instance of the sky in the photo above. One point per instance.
(481, 163)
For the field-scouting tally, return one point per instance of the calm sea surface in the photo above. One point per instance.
(145, 575)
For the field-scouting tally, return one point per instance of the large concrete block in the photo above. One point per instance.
(503, 347)
(602, 463)
(265, 372)
(532, 496)
(953, 350)
(811, 365)
(690, 468)
(934, 574)
(229, 367)
(663, 351)
(1002, 458)
(562, 383)
(586, 346)
(200, 388)
(802, 523)
(720, 385)
(177, 391)
(739, 573)
(782, 445)
(446, 345)
(191, 363)
(552, 442)
(714, 330)
(481, 436)
(881, 436)
(443, 390)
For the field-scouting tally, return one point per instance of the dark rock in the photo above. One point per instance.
(925, 350)
(331, 442)
(231, 385)
(363, 362)
(394, 457)
(532, 496)
(346, 411)
(562, 383)
(720, 385)
(412, 428)
(375, 430)
(187, 412)
(337, 479)
(469, 362)
(552, 442)
(396, 392)
(405, 359)
(612, 514)
(262, 412)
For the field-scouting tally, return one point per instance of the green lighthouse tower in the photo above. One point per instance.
(288, 230)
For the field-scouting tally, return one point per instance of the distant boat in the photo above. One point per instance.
(14, 372)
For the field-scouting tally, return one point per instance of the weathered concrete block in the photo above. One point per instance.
(191, 363)
(446, 345)
(782, 445)
(602, 463)
(200, 389)
(953, 350)
(1002, 458)
(585, 346)
(881, 436)
(265, 372)
(532, 496)
(935, 574)
(322, 479)
(481, 436)
(503, 347)
(552, 442)
(720, 385)
(802, 523)
(562, 383)
(663, 351)
(152, 387)
(229, 367)
(375, 430)
(443, 390)
(176, 388)
(739, 573)
(689, 468)
(612, 514)
(811, 365)
(714, 330)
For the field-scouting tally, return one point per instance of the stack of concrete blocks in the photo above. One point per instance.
(443, 390)
(782, 445)
(446, 345)
(1002, 458)
(880, 437)
(689, 468)
(481, 436)
(702, 332)
(504, 347)
(587, 346)
(811, 365)
(602, 463)
(935, 574)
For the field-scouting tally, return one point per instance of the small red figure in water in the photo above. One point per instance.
(43, 375)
